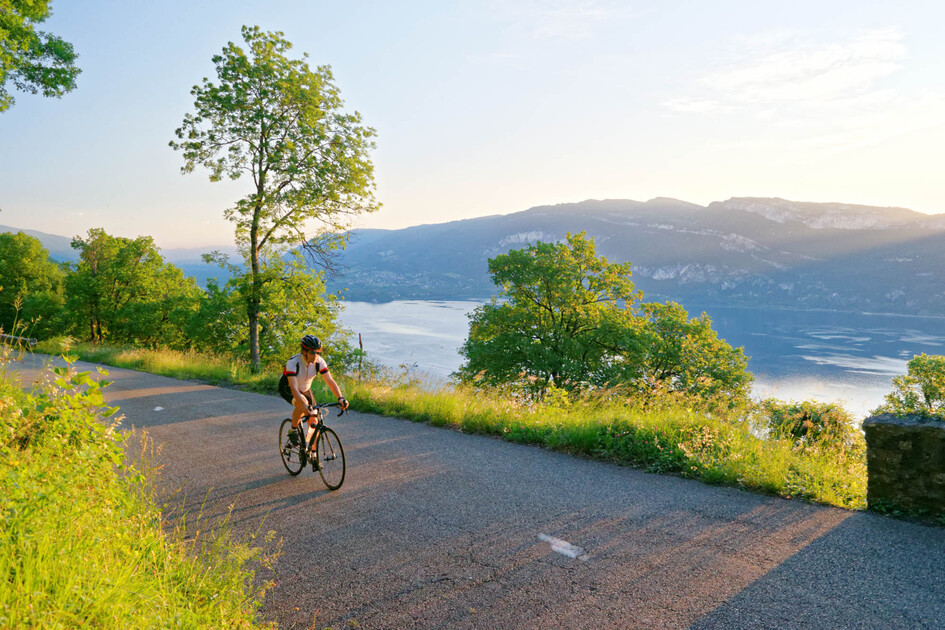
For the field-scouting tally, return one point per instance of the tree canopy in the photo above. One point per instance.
(35, 61)
(121, 290)
(563, 316)
(282, 123)
(920, 391)
(30, 285)
(568, 318)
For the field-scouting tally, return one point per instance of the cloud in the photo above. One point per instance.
(813, 100)
(779, 69)
(557, 19)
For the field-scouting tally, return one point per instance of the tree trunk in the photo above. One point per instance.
(253, 305)
(252, 308)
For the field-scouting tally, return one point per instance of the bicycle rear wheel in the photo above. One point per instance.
(331, 458)
(292, 457)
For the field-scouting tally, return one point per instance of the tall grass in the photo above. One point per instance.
(668, 435)
(82, 541)
(675, 437)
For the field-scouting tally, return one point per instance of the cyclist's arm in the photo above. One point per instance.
(332, 385)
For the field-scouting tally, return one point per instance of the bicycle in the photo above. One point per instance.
(323, 451)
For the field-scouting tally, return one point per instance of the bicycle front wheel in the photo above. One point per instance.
(292, 456)
(331, 459)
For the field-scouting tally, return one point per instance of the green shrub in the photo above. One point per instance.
(82, 542)
(811, 424)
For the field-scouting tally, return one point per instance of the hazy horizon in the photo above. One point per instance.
(489, 108)
(231, 243)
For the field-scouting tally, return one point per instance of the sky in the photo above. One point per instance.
(493, 107)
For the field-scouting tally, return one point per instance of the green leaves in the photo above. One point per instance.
(568, 318)
(121, 290)
(36, 62)
(31, 286)
(562, 317)
(280, 122)
(920, 391)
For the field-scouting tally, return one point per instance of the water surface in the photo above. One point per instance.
(795, 355)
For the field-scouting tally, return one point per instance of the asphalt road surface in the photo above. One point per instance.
(434, 528)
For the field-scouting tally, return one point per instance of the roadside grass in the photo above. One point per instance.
(82, 540)
(670, 436)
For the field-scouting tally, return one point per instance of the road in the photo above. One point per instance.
(434, 528)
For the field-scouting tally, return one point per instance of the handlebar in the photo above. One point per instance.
(321, 406)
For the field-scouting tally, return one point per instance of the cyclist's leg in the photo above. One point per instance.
(298, 409)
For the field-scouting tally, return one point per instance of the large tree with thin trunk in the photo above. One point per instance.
(282, 123)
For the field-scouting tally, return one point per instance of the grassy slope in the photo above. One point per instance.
(82, 541)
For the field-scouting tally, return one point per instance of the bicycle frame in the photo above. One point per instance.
(319, 423)
(319, 446)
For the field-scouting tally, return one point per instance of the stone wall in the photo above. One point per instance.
(905, 458)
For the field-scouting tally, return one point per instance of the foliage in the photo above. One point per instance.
(82, 543)
(563, 316)
(567, 317)
(282, 123)
(811, 424)
(35, 61)
(294, 302)
(30, 285)
(920, 391)
(686, 355)
(121, 290)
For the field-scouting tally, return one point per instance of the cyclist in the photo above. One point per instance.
(298, 374)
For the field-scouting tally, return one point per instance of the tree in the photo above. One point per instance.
(37, 62)
(920, 391)
(569, 318)
(122, 290)
(564, 316)
(30, 285)
(282, 123)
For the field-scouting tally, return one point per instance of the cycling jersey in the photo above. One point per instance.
(304, 372)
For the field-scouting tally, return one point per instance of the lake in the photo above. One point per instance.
(795, 355)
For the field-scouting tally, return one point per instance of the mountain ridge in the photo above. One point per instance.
(741, 251)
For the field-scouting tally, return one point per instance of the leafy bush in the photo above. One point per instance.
(811, 424)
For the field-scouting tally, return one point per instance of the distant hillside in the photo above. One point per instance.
(744, 251)
(59, 247)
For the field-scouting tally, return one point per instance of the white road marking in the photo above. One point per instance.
(564, 547)
(159, 408)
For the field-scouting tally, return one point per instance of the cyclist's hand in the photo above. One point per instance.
(311, 409)
(343, 402)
